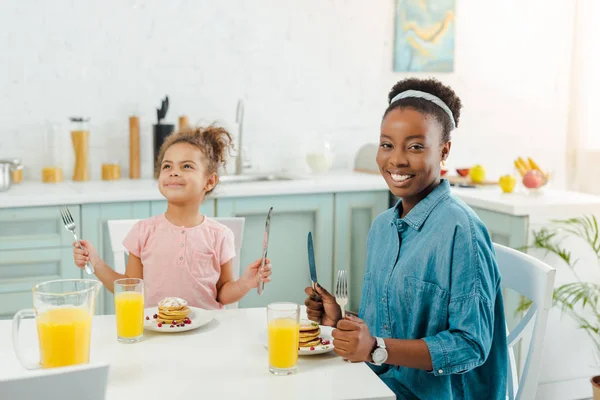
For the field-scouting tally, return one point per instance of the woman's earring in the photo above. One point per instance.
(443, 163)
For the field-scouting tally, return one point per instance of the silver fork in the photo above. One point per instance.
(341, 290)
(69, 223)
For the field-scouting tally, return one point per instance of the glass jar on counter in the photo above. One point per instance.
(80, 137)
(320, 157)
(16, 171)
(52, 171)
(111, 170)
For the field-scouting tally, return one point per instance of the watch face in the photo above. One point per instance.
(379, 356)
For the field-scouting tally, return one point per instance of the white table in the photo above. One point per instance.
(222, 360)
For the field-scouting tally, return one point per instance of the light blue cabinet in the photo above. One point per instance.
(35, 228)
(35, 247)
(354, 213)
(292, 218)
(508, 230)
(160, 206)
(20, 270)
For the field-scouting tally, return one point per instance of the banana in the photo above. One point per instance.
(525, 164)
(534, 165)
(520, 167)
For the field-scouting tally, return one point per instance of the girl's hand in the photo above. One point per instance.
(88, 253)
(250, 278)
(352, 339)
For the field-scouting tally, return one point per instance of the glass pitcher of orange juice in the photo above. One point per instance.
(63, 311)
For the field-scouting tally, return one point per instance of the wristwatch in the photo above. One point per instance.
(380, 353)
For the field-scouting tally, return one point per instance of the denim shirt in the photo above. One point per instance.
(433, 275)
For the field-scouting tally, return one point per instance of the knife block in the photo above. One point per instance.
(159, 134)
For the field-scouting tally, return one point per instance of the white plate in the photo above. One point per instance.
(198, 316)
(305, 351)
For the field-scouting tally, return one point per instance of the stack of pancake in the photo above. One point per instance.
(309, 334)
(172, 310)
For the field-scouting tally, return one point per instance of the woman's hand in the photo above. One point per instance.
(352, 339)
(321, 306)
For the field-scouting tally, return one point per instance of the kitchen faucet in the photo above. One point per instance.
(239, 119)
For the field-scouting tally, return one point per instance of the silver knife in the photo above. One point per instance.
(311, 261)
(261, 285)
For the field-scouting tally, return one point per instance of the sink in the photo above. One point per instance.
(224, 179)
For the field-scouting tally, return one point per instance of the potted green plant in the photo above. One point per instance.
(579, 299)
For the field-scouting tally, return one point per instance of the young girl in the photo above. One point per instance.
(431, 320)
(183, 253)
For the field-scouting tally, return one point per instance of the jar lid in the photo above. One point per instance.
(15, 161)
(79, 119)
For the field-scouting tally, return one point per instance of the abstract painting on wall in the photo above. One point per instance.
(424, 36)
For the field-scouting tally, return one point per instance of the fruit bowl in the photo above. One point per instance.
(533, 178)
(535, 181)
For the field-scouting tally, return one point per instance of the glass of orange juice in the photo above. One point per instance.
(63, 310)
(283, 320)
(129, 309)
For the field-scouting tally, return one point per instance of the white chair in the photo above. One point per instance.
(119, 228)
(533, 279)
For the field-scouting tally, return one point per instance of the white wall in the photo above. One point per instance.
(305, 68)
(583, 157)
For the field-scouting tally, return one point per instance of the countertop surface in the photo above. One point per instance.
(548, 202)
(28, 194)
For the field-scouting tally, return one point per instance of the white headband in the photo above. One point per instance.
(427, 96)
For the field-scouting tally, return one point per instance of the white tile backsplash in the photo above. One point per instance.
(304, 68)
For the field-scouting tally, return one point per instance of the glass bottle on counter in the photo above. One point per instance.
(80, 137)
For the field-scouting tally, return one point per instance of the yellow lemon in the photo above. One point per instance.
(507, 183)
(477, 174)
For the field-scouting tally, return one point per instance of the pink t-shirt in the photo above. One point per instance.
(181, 262)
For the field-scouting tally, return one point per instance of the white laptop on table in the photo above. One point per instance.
(82, 383)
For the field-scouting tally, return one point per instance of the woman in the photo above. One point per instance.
(431, 320)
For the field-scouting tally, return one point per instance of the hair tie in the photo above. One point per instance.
(427, 96)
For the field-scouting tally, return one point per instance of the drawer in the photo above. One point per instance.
(24, 267)
(10, 303)
(20, 270)
(36, 228)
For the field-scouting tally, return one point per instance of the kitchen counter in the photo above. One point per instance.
(547, 204)
(28, 194)
(552, 203)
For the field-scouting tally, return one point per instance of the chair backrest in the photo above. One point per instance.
(119, 228)
(533, 279)
(78, 382)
